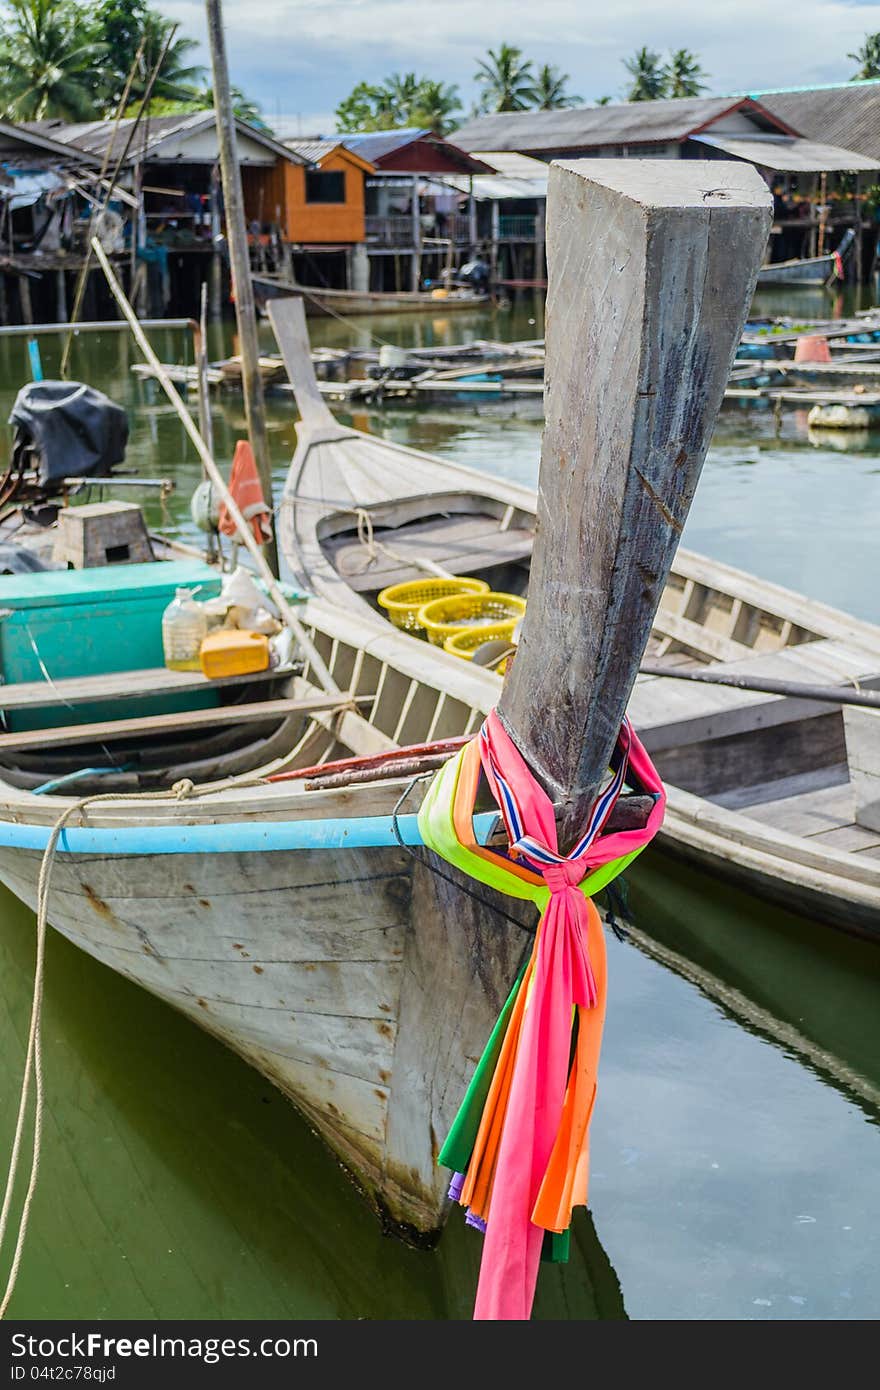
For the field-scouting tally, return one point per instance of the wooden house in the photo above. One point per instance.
(817, 185)
(324, 212)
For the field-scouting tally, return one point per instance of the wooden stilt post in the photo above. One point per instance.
(236, 233)
(416, 272)
(637, 362)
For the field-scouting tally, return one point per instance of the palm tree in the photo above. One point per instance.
(603, 101)
(868, 58)
(401, 91)
(550, 93)
(648, 76)
(507, 80)
(178, 79)
(48, 51)
(683, 73)
(436, 106)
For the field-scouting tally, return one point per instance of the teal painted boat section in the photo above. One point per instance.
(91, 622)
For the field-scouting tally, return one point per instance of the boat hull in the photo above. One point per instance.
(813, 272)
(321, 303)
(820, 884)
(359, 982)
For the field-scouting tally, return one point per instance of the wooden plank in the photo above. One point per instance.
(111, 729)
(810, 813)
(852, 838)
(700, 639)
(119, 685)
(653, 269)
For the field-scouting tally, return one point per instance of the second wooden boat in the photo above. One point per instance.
(321, 302)
(809, 271)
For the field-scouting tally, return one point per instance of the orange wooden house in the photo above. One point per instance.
(316, 197)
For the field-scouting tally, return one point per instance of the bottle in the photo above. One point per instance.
(184, 625)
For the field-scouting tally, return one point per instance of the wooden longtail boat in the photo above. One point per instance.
(303, 925)
(321, 302)
(809, 271)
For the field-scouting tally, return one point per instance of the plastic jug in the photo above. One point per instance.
(184, 626)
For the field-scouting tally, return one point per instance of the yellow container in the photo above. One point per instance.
(403, 601)
(232, 652)
(465, 642)
(445, 617)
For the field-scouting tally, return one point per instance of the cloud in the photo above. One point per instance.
(305, 55)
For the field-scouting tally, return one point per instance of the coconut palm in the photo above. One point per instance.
(179, 79)
(507, 80)
(401, 91)
(550, 93)
(48, 52)
(435, 107)
(648, 75)
(683, 73)
(868, 58)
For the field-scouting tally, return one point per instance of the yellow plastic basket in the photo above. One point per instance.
(465, 642)
(402, 602)
(445, 617)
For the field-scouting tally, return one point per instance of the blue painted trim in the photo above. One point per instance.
(248, 837)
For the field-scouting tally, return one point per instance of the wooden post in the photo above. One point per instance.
(60, 296)
(496, 234)
(24, 294)
(540, 223)
(653, 264)
(416, 274)
(472, 219)
(858, 249)
(236, 232)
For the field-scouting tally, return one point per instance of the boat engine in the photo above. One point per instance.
(63, 429)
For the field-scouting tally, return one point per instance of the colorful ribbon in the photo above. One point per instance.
(519, 1145)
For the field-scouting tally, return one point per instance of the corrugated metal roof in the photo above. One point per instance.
(518, 176)
(582, 127)
(313, 150)
(375, 144)
(847, 115)
(790, 155)
(21, 140)
(95, 137)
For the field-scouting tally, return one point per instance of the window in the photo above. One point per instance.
(324, 187)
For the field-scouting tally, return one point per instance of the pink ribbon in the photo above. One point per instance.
(562, 978)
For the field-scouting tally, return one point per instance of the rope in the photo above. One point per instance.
(373, 547)
(33, 1067)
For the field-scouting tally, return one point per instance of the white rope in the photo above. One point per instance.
(368, 540)
(33, 1066)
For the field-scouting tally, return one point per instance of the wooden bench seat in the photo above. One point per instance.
(185, 722)
(117, 685)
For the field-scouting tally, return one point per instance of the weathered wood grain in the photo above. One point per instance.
(652, 269)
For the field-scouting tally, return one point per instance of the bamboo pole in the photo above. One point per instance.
(236, 234)
(769, 685)
(247, 536)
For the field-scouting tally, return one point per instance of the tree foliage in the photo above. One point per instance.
(402, 100)
(551, 90)
(683, 73)
(48, 54)
(867, 55)
(647, 74)
(70, 60)
(507, 80)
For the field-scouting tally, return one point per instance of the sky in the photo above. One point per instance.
(299, 58)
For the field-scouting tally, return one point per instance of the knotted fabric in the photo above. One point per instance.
(520, 1141)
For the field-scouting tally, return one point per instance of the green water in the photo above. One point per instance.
(735, 1142)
